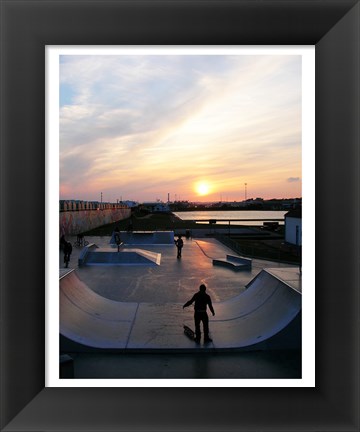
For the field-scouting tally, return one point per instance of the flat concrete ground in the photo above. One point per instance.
(175, 281)
(222, 365)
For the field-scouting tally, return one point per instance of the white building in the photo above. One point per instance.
(156, 207)
(293, 227)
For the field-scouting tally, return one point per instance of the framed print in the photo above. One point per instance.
(27, 29)
(201, 93)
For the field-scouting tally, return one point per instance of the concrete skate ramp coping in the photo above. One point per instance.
(267, 315)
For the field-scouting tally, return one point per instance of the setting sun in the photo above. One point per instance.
(202, 188)
(225, 115)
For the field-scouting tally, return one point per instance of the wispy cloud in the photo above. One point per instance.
(142, 126)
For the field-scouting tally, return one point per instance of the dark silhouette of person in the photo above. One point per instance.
(131, 225)
(67, 253)
(202, 300)
(179, 244)
(62, 242)
(80, 239)
(117, 237)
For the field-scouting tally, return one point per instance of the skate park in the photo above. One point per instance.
(128, 302)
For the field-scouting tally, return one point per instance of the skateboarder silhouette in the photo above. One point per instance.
(202, 300)
(67, 253)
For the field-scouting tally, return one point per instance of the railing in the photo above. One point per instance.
(239, 220)
(276, 255)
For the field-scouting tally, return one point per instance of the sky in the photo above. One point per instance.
(188, 127)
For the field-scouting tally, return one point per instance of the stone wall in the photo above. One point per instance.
(75, 222)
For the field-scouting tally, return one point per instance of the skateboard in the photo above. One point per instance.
(189, 333)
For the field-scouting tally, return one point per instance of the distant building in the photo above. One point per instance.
(156, 207)
(293, 227)
(130, 203)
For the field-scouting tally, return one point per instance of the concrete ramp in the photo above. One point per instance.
(92, 320)
(266, 316)
(235, 263)
(130, 257)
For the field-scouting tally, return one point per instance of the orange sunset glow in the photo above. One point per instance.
(202, 188)
(196, 127)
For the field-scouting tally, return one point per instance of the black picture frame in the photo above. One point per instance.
(26, 28)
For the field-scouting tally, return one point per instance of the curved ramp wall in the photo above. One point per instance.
(266, 316)
(92, 320)
(262, 313)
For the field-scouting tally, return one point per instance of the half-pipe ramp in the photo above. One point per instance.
(267, 315)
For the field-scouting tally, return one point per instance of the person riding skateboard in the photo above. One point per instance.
(202, 300)
(67, 253)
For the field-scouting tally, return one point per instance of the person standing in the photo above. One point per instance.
(179, 244)
(131, 224)
(202, 301)
(117, 238)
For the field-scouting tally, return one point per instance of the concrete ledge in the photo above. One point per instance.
(82, 258)
(234, 262)
(125, 257)
(239, 260)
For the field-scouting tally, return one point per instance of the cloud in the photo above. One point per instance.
(164, 120)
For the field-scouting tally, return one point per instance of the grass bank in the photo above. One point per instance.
(274, 249)
(145, 222)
